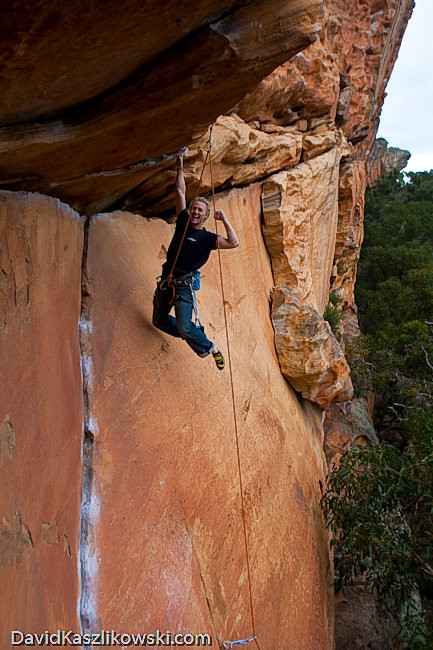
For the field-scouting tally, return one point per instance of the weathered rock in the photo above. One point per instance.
(361, 622)
(59, 56)
(350, 234)
(366, 44)
(108, 127)
(90, 118)
(309, 354)
(342, 75)
(241, 154)
(185, 84)
(343, 106)
(300, 209)
(347, 424)
(41, 412)
(304, 87)
(383, 159)
(349, 325)
(164, 464)
(319, 141)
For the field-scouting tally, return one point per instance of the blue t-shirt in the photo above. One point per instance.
(195, 251)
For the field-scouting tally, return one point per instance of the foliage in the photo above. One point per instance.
(332, 312)
(394, 294)
(395, 273)
(379, 500)
(393, 364)
(379, 505)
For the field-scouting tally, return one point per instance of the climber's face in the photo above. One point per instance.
(199, 215)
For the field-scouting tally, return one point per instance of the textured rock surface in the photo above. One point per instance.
(108, 115)
(100, 150)
(77, 50)
(347, 424)
(300, 209)
(350, 234)
(241, 153)
(89, 117)
(343, 75)
(384, 159)
(181, 564)
(41, 410)
(304, 87)
(366, 35)
(361, 623)
(309, 354)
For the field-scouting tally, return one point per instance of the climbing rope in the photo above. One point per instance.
(169, 280)
(230, 644)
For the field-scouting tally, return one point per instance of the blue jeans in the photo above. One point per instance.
(181, 326)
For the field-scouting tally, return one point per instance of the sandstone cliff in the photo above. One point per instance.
(384, 159)
(121, 505)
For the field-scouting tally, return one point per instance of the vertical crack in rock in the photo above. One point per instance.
(88, 556)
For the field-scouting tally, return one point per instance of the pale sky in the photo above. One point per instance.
(407, 115)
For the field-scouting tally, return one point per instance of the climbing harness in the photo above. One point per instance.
(170, 283)
(191, 280)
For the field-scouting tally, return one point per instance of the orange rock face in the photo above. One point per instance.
(309, 354)
(384, 159)
(241, 153)
(192, 70)
(94, 109)
(164, 462)
(366, 42)
(41, 404)
(350, 233)
(76, 51)
(300, 220)
(306, 86)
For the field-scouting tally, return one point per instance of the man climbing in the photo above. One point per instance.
(194, 253)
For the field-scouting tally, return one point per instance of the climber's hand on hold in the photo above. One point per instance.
(231, 240)
(180, 185)
(220, 216)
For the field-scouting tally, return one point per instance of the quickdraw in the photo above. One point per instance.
(233, 644)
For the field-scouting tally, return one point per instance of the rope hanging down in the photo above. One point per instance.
(230, 644)
(169, 279)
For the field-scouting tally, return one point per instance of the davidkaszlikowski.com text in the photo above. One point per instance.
(110, 638)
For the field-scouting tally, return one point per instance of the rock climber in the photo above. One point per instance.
(194, 253)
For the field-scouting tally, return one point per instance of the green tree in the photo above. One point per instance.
(379, 500)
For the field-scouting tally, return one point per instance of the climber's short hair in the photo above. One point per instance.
(201, 199)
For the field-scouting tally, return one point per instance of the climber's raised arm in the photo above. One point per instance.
(180, 187)
(231, 240)
(189, 249)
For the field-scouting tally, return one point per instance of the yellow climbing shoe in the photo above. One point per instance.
(219, 360)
